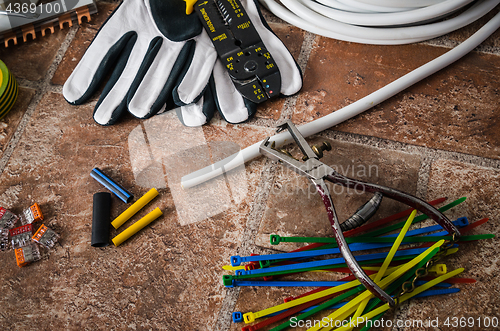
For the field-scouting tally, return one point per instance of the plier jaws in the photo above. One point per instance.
(311, 168)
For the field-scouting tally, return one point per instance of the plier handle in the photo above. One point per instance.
(318, 172)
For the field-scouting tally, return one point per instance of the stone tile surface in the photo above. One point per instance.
(9, 123)
(464, 96)
(295, 209)
(480, 260)
(166, 277)
(31, 60)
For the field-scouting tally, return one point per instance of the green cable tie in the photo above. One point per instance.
(276, 239)
(350, 240)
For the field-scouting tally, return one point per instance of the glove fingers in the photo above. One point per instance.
(230, 103)
(156, 77)
(194, 77)
(103, 114)
(113, 100)
(291, 76)
(198, 113)
(103, 52)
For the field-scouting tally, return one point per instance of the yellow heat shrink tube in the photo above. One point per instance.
(137, 226)
(136, 206)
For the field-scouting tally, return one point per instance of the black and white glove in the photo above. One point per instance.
(153, 52)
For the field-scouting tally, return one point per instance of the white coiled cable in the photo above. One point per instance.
(380, 22)
(359, 106)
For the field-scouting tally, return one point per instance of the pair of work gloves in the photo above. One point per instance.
(156, 57)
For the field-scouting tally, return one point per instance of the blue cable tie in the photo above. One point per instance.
(354, 247)
(237, 317)
(459, 222)
(429, 293)
(328, 262)
(259, 283)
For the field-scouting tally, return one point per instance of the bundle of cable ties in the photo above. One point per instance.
(413, 267)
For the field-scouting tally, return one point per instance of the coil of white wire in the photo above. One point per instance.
(381, 22)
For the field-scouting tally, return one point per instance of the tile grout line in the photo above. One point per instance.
(305, 52)
(41, 87)
(263, 190)
(424, 173)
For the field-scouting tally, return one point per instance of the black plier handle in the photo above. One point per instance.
(318, 172)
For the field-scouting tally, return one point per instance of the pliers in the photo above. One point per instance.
(318, 172)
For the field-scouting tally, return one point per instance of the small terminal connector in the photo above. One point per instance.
(45, 236)
(27, 254)
(21, 236)
(4, 239)
(7, 219)
(31, 215)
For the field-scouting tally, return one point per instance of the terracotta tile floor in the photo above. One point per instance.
(438, 138)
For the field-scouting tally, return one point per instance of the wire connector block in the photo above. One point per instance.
(7, 219)
(27, 254)
(21, 236)
(45, 236)
(31, 215)
(4, 239)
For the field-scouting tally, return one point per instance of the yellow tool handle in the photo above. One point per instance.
(189, 6)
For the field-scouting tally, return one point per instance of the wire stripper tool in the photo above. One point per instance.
(318, 172)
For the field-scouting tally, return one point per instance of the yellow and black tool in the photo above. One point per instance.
(240, 48)
(8, 90)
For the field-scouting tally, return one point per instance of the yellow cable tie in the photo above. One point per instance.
(251, 316)
(387, 260)
(384, 283)
(231, 268)
(451, 251)
(403, 298)
(439, 269)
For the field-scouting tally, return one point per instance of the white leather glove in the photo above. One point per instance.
(153, 52)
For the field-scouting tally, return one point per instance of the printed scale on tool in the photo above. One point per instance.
(240, 48)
